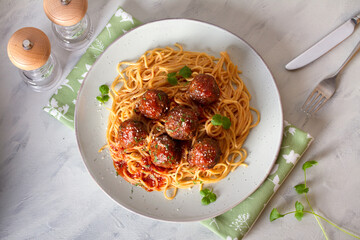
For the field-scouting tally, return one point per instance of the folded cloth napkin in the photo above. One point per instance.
(233, 224)
(62, 103)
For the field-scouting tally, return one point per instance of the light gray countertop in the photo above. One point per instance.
(47, 193)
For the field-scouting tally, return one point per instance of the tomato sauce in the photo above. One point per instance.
(153, 181)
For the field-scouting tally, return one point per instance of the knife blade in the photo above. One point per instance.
(325, 44)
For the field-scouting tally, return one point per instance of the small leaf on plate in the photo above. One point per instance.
(104, 89)
(226, 123)
(216, 120)
(212, 197)
(100, 99)
(172, 79)
(203, 193)
(205, 201)
(105, 98)
(185, 72)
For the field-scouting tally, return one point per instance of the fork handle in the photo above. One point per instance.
(349, 58)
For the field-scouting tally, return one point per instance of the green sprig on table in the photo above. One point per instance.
(300, 209)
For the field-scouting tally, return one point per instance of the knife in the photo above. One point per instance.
(324, 45)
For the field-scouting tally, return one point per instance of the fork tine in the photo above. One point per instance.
(316, 101)
(311, 100)
(308, 100)
(321, 103)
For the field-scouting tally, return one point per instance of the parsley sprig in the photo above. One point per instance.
(104, 97)
(218, 120)
(208, 196)
(184, 72)
(300, 209)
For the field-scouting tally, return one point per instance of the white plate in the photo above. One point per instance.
(263, 142)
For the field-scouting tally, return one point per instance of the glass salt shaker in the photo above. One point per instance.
(29, 49)
(70, 23)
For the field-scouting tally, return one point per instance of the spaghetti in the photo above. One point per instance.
(150, 72)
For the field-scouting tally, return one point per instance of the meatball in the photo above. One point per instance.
(203, 89)
(132, 133)
(164, 152)
(205, 153)
(153, 104)
(181, 123)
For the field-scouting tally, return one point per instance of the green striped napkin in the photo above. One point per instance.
(62, 104)
(233, 224)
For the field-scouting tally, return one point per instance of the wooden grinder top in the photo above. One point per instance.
(65, 12)
(29, 48)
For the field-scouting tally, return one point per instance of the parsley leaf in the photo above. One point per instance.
(299, 207)
(208, 196)
(100, 99)
(172, 79)
(218, 120)
(104, 97)
(299, 210)
(275, 215)
(104, 89)
(299, 215)
(300, 189)
(185, 72)
(309, 164)
(226, 123)
(204, 192)
(205, 201)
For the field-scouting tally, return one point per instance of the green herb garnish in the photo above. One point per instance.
(104, 97)
(172, 79)
(300, 209)
(218, 120)
(208, 196)
(184, 72)
(275, 215)
(104, 89)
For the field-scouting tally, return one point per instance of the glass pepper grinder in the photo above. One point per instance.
(70, 23)
(29, 49)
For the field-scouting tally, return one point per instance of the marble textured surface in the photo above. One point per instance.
(47, 193)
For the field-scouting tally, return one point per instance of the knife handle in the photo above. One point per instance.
(356, 19)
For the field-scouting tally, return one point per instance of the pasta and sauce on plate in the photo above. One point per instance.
(178, 119)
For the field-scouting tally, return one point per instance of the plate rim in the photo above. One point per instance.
(186, 219)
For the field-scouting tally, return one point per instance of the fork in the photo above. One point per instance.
(326, 88)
